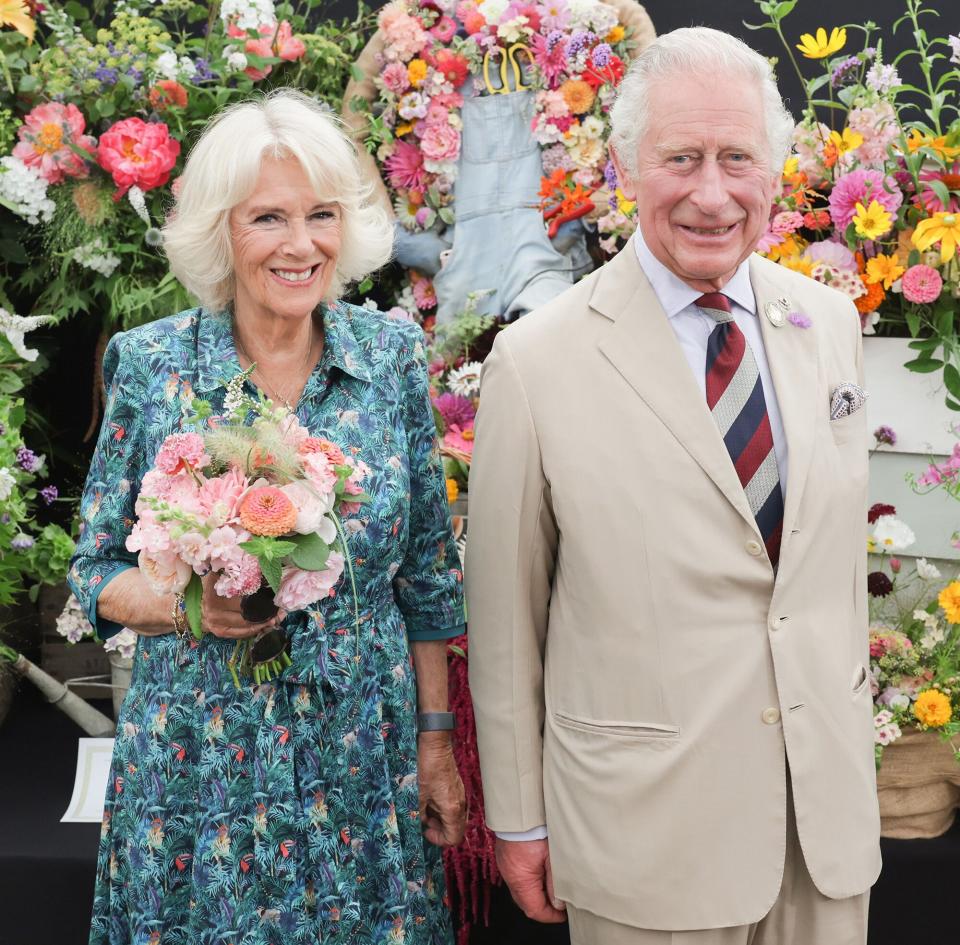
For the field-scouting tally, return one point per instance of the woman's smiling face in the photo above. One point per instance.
(286, 242)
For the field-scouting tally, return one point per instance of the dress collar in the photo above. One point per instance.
(674, 295)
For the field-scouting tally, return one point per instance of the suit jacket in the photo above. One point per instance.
(640, 674)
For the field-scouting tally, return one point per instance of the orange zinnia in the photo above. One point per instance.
(871, 301)
(578, 95)
(266, 510)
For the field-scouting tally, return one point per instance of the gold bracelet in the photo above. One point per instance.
(180, 623)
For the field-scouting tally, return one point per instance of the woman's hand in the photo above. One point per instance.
(443, 805)
(221, 615)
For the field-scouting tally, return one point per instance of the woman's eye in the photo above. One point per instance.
(265, 218)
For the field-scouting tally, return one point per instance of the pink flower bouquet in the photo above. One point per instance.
(256, 504)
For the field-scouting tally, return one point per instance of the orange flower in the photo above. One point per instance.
(932, 708)
(871, 301)
(453, 490)
(578, 95)
(266, 510)
(168, 94)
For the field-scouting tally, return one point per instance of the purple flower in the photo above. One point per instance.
(49, 494)
(21, 543)
(204, 73)
(885, 434)
(579, 42)
(135, 73)
(601, 55)
(610, 176)
(28, 460)
(844, 71)
(878, 584)
(554, 37)
(106, 76)
(455, 410)
(799, 319)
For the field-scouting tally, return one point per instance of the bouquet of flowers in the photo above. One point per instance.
(914, 639)
(571, 53)
(257, 504)
(870, 203)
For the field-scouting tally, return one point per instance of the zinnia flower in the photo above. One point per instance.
(921, 284)
(820, 46)
(942, 228)
(578, 95)
(168, 94)
(871, 300)
(455, 409)
(265, 510)
(46, 136)
(949, 600)
(932, 708)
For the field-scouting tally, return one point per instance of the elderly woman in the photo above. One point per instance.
(294, 811)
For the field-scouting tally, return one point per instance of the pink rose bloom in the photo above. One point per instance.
(180, 451)
(319, 472)
(424, 295)
(444, 29)
(862, 186)
(165, 572)
(138, 153)
(45, 138)
(404, 36)
(787, 222)
(312, 507)
(289, 48)
(440, 143)
(922, 284)
(240, 578)
(221, 496)
(395, 78)
(299, 589)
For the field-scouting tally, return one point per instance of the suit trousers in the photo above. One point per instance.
(801, 915)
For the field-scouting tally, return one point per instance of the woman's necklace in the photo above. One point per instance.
(275, 393)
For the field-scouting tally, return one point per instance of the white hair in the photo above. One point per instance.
(702, 52)
(222, 171)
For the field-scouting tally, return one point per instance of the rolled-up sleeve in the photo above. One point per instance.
(107, 505)
(429, 584)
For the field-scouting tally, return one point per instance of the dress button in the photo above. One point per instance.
(770, 716)
(754, 548)
(776, 623)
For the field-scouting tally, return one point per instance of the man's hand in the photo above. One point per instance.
(525, 865)
(443, 805)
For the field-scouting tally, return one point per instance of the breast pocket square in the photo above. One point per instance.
(845, 400)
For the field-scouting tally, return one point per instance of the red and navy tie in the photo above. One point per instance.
(735, 398)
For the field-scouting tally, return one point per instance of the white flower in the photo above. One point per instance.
(581, 13)
(167, 65)
(590, 127)
(7, 483)
(512, 31)
(890, 534)
(887, 734)
(465, 380)
(236, 61)
(139, 203)
(24, 191)
(492, 10)
(187, 67)
(929, 572)
(882, 717)
(882, 78)
(248, 14)
(932, 637)
(954, 42)
(95, 255)
(124, 643)
(928, 620)
(603, 19)
(14, 327)
(72, 622)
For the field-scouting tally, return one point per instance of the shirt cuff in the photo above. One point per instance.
(104, 629)
(418, 635)
(534, 833)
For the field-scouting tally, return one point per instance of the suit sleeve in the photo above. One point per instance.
(860, 573)
(511, 550)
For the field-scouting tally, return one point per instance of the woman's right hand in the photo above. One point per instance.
(221, 615)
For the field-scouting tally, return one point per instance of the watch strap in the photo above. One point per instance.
(435, 721)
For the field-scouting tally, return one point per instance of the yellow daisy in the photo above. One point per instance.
(884, 269)
(819, 46)
(848, 141)
(873, 221)
(942, 228)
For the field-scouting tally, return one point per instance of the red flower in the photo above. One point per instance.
(287, 45)
(168, 94)
(817, 220)
(612, 73)
(138, 153)
(878, 584)
(453, 67)
(877, 510)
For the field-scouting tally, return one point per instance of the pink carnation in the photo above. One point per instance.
(440, 143)
(862, 186)
(404, 36)
(181, 451)
(396, 78)
(922, 284)
(299, 589)
(221, 495)
(46, 136)
(240, 578)
(138, 153)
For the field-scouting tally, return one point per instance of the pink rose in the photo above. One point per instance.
(299, 589)
(312, 507)
(319, 471)
(440, 143)
(289, 48)
(165, 572)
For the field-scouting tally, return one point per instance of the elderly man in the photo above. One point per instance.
(666, 574)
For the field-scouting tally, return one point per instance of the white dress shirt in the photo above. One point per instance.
(692, 326)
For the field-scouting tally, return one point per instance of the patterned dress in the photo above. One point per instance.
(286, 812)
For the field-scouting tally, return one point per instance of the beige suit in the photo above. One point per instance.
(639, 673)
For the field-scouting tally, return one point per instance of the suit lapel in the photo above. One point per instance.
(792, 355)
(643, 348)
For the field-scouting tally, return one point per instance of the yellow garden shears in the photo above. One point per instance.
(507, 56)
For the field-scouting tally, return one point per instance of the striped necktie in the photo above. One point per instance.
(735, 398)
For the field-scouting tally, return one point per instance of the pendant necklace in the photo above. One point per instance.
(274, 393)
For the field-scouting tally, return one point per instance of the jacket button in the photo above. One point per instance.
(754, 548)
(770, 716)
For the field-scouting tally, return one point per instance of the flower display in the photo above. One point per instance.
(880, 181)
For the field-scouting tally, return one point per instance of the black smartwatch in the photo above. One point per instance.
(435, 721)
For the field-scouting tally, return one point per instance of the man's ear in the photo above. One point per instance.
(624, 181)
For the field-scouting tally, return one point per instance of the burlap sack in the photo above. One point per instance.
(919, 787)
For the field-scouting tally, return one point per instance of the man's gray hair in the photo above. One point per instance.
(698, 51)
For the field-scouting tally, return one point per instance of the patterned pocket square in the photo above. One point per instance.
(845, 400)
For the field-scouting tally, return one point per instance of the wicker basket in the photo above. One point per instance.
(919, 787)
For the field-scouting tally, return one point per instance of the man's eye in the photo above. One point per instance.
(680, 159)
(738, 157)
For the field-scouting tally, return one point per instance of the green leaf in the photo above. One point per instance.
(193, 598)
(267, 549)
(951, 377)
(357, 73)
(952, 404)
(924, 365)
(945, 322)
(272, 571)
(311, 553)
(28, 83)
(106, 107)
(926, 345)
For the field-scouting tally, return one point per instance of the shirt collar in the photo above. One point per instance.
(217, 359)
(674, 295)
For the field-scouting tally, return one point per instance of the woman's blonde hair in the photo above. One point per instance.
(222, 170)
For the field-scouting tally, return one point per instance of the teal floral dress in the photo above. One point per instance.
(285, 812)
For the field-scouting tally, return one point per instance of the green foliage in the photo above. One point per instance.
(311, 552)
